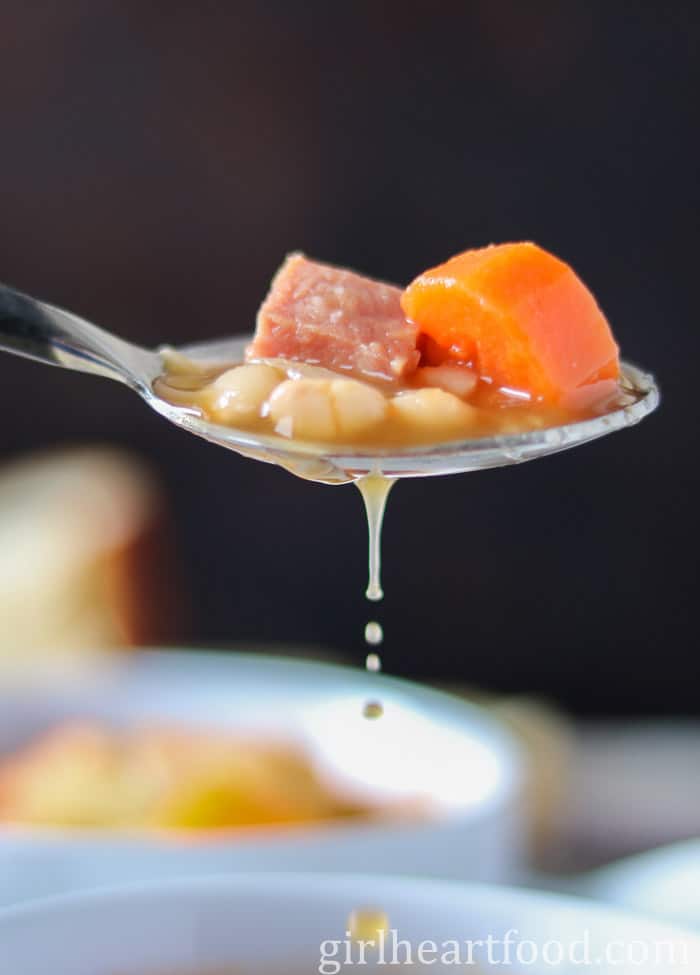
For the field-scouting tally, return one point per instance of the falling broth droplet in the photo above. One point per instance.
(372, 710)
(374, 634)
(373, 663)
(374, 489)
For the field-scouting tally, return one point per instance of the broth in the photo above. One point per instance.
(298, 401)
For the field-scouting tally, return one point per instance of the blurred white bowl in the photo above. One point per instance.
(662, 883)
(426, 741)
(279, 923)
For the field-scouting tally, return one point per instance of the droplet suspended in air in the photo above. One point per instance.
(374, 634)
(373, 710)
(373, 663)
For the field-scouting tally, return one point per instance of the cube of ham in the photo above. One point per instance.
(327, 316)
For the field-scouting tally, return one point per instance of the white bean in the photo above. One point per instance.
(303, 408)
(458, 380)
(433, 411)
(357, 406)
(321, 409)
(238, 394)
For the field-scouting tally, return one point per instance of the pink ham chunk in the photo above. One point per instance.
(330, 317)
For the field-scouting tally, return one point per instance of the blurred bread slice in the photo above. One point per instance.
(83, 564)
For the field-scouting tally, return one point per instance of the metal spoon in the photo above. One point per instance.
(48, 334)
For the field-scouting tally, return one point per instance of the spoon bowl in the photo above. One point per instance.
(41, 331)
(341, 464)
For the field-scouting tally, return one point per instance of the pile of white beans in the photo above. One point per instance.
(313, 407)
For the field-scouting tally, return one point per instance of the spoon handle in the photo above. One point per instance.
(56, 337)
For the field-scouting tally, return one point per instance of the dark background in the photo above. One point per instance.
(157, 161)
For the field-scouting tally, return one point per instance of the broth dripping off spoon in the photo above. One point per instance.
(374, 489)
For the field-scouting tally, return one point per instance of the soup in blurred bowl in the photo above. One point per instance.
(86, 774)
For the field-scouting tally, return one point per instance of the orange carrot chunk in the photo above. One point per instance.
(521, 317)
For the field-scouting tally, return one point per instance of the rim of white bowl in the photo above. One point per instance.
(383, 887)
